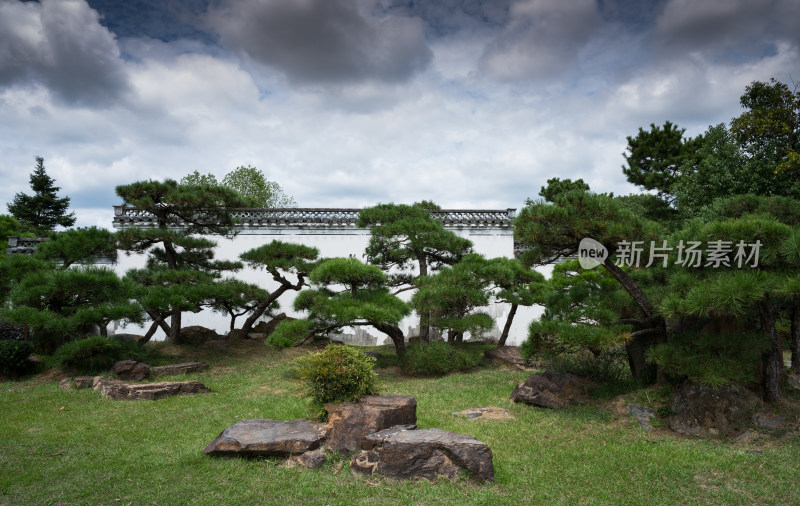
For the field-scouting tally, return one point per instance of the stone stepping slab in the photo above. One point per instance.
(150, 391)
(263, 437)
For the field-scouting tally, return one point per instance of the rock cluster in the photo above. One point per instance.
(351, 422)
(383, 428)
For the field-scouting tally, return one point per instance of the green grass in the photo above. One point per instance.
(79, 448)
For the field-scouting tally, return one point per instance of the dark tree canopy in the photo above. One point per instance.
(182, 212)
(43, 210)
(770, 128)
(656, 158)
(556, 186)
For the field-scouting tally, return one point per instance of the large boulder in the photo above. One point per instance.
(350, 422)
(131, 370)
(196, 335)
(173, 369)
(149, 391)
(265, 437)
(266, 328)
(506, 356)
(426, 454)
(552, 389)
(704, 411)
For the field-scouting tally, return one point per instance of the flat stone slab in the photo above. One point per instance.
(174, 369)
(350, 422)
(424, 454)
(263, 437)
(149, 391)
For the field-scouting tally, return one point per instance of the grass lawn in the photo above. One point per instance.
(79, 448)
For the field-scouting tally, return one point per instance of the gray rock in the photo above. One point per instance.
(552, 389)
(643, 415)
(350, 422)
(173, 369)
(424, 454)
(705, 411)
(131, 370)
(148, 391)
(312, 459)
(264, 437)
(768, 420)
(77, 383)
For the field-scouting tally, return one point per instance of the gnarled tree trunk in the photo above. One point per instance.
(643, 338)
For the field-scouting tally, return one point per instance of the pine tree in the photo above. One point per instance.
(43, 210)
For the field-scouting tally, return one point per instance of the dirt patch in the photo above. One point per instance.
(485, 413)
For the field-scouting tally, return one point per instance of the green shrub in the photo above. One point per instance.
(289, 332)
(14, 357)
(437, 359)
(97, 353)
(338, 373)
(610, 365)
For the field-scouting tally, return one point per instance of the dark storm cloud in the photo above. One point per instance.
(733, 30)
(61, 45)
(541, 40)
(323, 40)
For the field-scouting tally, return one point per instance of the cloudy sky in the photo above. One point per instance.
(348, 103)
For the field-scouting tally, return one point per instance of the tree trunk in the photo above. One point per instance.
(637, 347)
(262, 306)
(772, 360)
(174, 335)
(396, 335)
(507, 326)
(795, 331)
(424, 317)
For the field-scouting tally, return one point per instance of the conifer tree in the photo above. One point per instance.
(43, 210)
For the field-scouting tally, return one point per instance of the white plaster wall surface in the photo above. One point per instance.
(334, 242)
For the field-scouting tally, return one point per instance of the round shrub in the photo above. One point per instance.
(14, 357)
(97, 353)
(437, 359)
(338, 373)
(289, 332)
